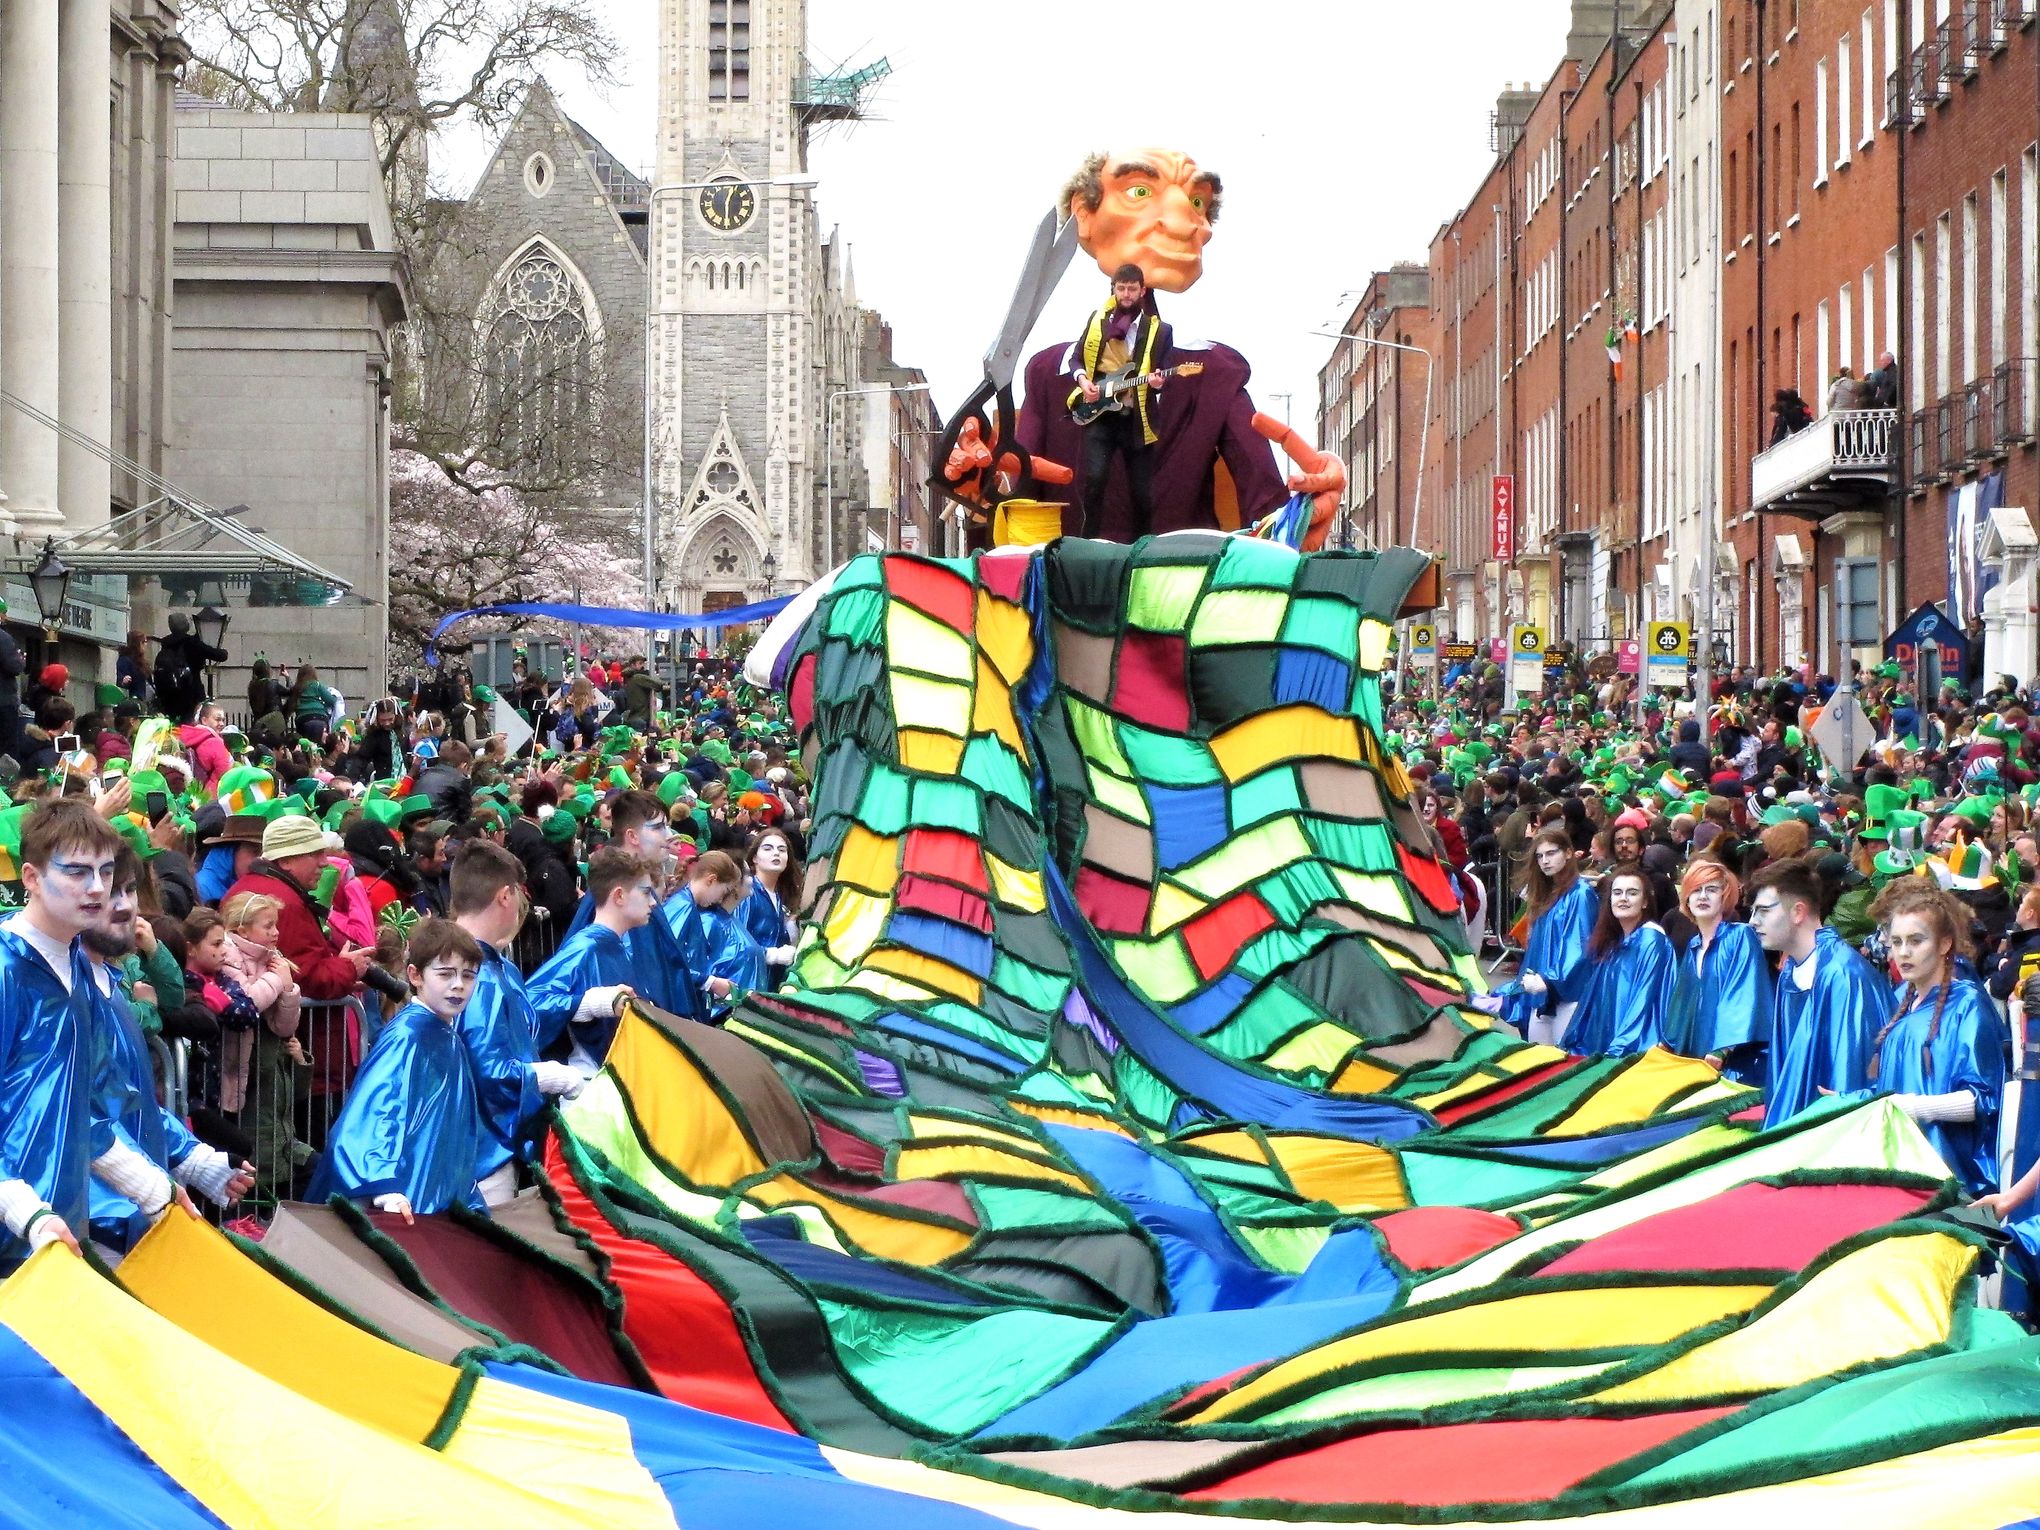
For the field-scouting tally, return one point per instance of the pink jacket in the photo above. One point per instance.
(352, 916)
(207, 754)
(273, 991)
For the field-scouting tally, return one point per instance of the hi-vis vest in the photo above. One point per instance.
(1141, 341)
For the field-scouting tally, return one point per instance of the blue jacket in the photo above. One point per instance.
(594, 956)
(1823, 1037)
(409, 1126)
(499, 1031)
(1628, 992)
(48, 1063)
(1730, 1005)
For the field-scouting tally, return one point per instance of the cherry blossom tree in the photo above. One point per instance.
(456, 545)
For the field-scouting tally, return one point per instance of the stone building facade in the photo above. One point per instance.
(530, 334)
(288, 286)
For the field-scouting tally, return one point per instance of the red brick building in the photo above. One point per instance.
(1371, 411)
(1967, 104)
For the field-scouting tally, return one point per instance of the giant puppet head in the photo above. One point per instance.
(1151, 207)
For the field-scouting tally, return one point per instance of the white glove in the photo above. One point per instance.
(1533, 984)
(126, 1172)
(208, 1171)
(780, 956)
(49, 1229)
(1958, 1105)
(556, 1078)
(20, 1206)
(399, 1204)
(603, 1003)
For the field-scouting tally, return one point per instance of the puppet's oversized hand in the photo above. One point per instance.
(1323, 477)
(969, 470)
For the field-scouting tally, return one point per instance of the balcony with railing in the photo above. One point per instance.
(1844, 460)
(2015, 402)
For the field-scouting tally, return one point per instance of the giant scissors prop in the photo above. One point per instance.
(978, 464)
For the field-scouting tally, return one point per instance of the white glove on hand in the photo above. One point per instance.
(556, 1078)
(399, 1204)
(20, 1207)
(1534, 984)
(208, 1171)
(780, 956)
(126, 1172)
(601, 1003)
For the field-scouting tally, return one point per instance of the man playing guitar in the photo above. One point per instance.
(1126, 331)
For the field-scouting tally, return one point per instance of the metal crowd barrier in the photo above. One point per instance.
(1495, 883)
(535, 943)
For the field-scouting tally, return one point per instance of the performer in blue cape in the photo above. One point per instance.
(499, 1028)
(768, 909)
(1724, 993)
(1561, 909)
(700, 919)
(407, 1137)
(577, 996)
(125, 1091)
(1630, 966)
(637, 823)
(52, 1141)
(1943, 1055)
(1830, 1002)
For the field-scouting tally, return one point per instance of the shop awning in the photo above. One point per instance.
(196, 550)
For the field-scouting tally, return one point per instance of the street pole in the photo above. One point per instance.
(829, 453)
(1424, 432)
(654, 311)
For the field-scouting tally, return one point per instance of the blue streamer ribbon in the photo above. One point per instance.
(615, 616)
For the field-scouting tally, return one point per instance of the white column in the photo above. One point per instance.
(85, 282)
(28, 256)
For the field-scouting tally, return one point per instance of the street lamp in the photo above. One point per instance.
(829, 458)
(653, 311)
(1424, 433)
(51, 582)
(771, 568)
(211, 625)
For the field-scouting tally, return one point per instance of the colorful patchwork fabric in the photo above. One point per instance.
(1122, 1144)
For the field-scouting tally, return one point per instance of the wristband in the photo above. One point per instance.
(41, 1212)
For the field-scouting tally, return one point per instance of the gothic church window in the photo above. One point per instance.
(540, 366)
(538, 174)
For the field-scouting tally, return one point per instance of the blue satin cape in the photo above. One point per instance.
(655, 961)
(124, 1094)
(681, 916)
(1823, 1037)
(409, 1125)
(1556, 952)
(499, 1030)
(1628, 992)
(1969, 1052)
(732, 953)
(1730, 1005)
(594, 956)
(49, 1133)
(766, 918)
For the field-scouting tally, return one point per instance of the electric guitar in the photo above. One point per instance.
(1115, 390)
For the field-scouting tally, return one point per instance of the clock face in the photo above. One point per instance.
(727, 205)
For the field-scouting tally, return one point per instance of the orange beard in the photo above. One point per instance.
(1153, 215)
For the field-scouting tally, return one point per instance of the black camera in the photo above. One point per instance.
(386, 983)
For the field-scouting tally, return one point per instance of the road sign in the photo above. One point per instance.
(1842, 731)
(1502, 507)
(1526, 659)
(1423, 639)
(510, 723)
(1628, 657)
(1667, 645)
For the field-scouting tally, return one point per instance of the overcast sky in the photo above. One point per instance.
(1345, 130)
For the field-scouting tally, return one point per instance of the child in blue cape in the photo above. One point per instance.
(407, 1138)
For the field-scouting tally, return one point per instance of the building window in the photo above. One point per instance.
(1970, 269)
(729, 50)
(2000, 252)
(1844, 76)
(538, 174)
(539, 362)
(1820, 123)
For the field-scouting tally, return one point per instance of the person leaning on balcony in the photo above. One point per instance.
(1883, 383)
(1789, 414)
(1847, 392)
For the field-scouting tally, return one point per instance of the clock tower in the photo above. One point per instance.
(740, 298)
